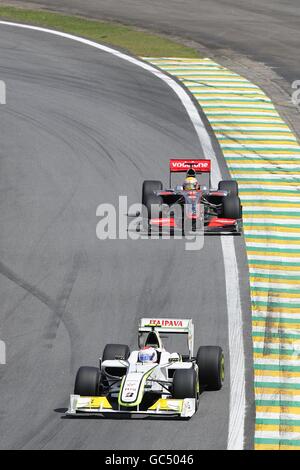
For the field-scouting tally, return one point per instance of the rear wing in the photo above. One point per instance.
(171, 326)
(183, 165)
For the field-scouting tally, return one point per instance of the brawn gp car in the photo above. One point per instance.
(149, 380)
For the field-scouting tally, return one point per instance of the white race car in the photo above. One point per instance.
(168, 384)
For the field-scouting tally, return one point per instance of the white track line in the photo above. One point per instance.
(234, 312)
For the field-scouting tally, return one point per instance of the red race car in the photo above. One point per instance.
(192, 205)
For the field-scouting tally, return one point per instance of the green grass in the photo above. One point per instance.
(134, 41)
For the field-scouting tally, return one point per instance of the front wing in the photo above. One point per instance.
(185, 408)
(215, 225)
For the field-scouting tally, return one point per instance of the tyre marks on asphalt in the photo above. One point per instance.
(57, 307)
(62, 299)
(264, 156)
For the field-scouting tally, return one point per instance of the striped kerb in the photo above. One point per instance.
(263, 155)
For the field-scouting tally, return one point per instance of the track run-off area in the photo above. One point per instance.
(263, 155)
(82, 125)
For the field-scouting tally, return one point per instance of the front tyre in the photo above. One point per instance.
(87, 382)
(153, 205)
(148, 189)
(232, 208)
(210, 361)
(114, 351)
(229, 185)
(185, 384)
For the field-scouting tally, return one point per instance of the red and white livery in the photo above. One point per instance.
(202, 209)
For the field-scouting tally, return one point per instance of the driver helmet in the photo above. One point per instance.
(191, 184)
(147, 354)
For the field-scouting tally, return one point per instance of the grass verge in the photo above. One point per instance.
(136, 42)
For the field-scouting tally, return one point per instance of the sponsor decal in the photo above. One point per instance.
(131, 387)
(185, 165)
(167, 323)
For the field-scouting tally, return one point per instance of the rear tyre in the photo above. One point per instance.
(229, 185)
(149, 187)
(232, 208)
(185, 384)
(87, 382)
(113, 351)
(210, 361)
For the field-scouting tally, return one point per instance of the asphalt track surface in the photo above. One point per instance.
(80, 128)
(264, 30)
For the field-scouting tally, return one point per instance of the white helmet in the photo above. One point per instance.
(147, 354)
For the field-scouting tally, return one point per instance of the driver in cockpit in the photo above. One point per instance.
(191, 183)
